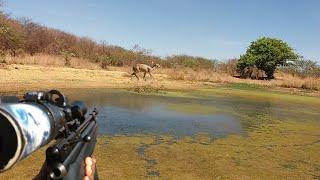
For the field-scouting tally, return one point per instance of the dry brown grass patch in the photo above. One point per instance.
(281, 80)
(171, 76)
(290, 81)
(48, 60)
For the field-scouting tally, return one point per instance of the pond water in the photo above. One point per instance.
(125, 113)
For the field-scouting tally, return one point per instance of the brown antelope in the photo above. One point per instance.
(143, 68)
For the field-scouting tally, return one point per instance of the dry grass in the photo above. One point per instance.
(16, 77)
(172, 76)
(203, 75)
(186, 74)
(290, 81)
(48, 60)
(281, 80)
(127, 69)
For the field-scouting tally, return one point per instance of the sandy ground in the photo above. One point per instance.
(27, 77)
(20, 78)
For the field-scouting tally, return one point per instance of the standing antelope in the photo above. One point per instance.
(143, 68)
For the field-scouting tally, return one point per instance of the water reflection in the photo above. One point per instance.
(122, 112)
(129, 113)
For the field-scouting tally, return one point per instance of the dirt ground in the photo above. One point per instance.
(31, 77)
(14, 78)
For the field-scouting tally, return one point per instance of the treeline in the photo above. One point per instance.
(302, 68)
(23, 36)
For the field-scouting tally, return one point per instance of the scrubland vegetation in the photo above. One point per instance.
(22, 37)
(33, 56)
(25, 42)
(284, 80)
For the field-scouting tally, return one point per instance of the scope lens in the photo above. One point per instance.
(8, 141)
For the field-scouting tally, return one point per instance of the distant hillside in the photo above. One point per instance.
(23, 36)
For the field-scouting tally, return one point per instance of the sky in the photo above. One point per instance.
(215, 29)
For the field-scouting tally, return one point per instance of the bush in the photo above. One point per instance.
(266, 54)
(67, 57)
(104, 61)
(302, 68)
(194, 63)
(9, 39)
(228, 67)
(2, 57)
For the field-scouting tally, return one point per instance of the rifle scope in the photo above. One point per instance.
(31, 123)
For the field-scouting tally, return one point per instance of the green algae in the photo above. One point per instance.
(260, 95)
(280, 150)
(272, 148)
(245, 91)
(252, 92)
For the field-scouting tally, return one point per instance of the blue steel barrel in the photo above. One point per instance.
(24, 128)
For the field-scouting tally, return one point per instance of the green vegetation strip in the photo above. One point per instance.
(261, 95)
(255, 93)
(280, 150)
(241, 90)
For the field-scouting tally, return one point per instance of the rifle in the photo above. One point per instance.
(40, 118)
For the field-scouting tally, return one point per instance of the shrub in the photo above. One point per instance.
(266, 54)
(302, 68)
(9, 39)
(229, 66)
(2, 57)
(104, 61)
(194, 63)
(67, 57)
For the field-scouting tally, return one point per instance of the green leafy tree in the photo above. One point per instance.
(266, 54)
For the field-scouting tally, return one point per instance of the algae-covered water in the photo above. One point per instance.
(127, 113)
(207, 134)
(218, 133)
